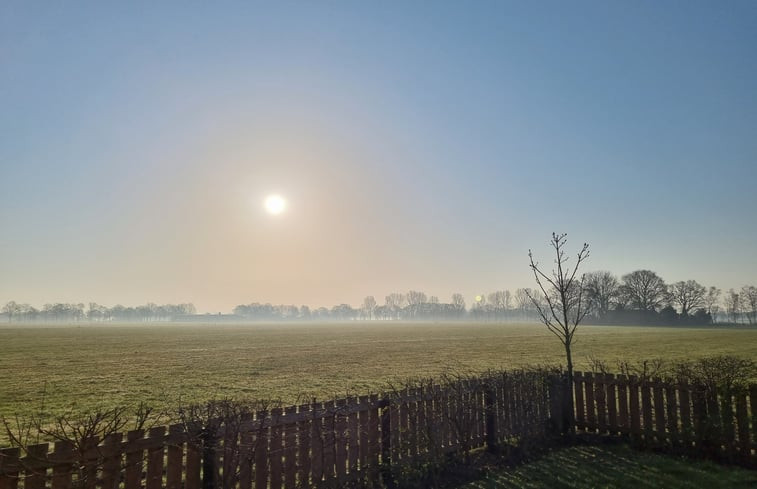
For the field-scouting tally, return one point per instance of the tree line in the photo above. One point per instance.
(95, 312)
(639, 297)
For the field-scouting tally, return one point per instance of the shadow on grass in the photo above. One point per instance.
(615, 467)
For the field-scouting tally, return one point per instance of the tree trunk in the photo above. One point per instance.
(569, 411)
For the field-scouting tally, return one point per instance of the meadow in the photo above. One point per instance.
(59, 368)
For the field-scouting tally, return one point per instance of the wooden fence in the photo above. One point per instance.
(311, 445)
(681, 418)
(366, 438)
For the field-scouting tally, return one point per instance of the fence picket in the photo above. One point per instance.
(578, 381)
(659, 411)
(612, 406)
(633, 404)
(35, 469)
(63, 454)
(684, 401)
(155, 458)
(290, 449)
(261, 451)
(672, 414)
(599, 396)
(304, 437)
(742, 420)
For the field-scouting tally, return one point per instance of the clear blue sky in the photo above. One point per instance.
(419, 146)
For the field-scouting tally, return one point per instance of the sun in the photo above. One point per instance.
(275, 204)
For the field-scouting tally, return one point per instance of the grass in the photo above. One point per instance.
(77, 367)
(616, 467)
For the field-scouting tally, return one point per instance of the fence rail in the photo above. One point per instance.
(310, 445)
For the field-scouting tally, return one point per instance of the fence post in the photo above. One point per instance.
(557, 406)
(491, 417)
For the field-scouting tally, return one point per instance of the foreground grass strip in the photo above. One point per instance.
(616, 467)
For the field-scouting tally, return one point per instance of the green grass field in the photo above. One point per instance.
(78, 367)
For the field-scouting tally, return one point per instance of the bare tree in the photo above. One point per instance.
(749, 302)
(644, 290)
(11, 309)
(602, 289)
(458, 302)
(711, 302)
(732, 305)
(369, 305)
(689, 296)
(563, 309)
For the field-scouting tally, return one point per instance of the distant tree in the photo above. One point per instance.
(11, 309)
(749, 303)
(711, 301)
(563, 293)
(369, 305)
(304, 312)
(732, 302)
(458, 302)
(602, 289)
(644, 290)
(688, 296)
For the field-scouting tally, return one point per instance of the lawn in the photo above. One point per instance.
(616, 467)
(57, 367)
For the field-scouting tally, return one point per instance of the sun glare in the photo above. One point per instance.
(275, 204)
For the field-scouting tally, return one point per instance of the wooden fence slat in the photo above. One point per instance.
(412, 427)
(375, 437)
(175, 455)
(340, 439)
(646, 410)
(394, 426)
(444, 415)
(275, 450)
(364, 434)
(612, 404)
(155, 459)
(684, 402)
(578, 382)
(193, 473)
(63, 470)
(624, 426)
(261, 450)
(135, 460)
(672, 414)
(35, 473)
(727, 414)
(91, 461)
(290, 448)
(699, 413)
(599, 396)
(9, 467)
(659, 411)
(591, 418)
(713, 423)
(304, 434)
(353, 438)
(633, 405)
(111, 466)
(246, 456)
(742, 420)
(753, 410)
(329, 427)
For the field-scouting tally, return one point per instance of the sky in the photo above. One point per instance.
(418, 145)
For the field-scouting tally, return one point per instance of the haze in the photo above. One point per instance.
(417, 146)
